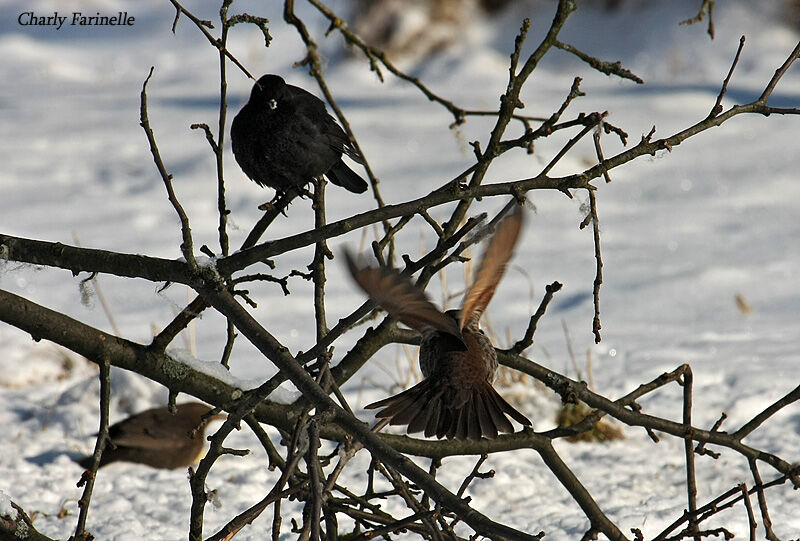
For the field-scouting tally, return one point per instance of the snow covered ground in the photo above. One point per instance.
(683, 234)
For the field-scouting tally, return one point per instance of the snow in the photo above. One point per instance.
(682, 233)
(6, 509)
(214, 369)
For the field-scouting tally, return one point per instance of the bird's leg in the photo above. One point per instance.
(280, 202)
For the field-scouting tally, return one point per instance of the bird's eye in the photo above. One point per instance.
(272, 104)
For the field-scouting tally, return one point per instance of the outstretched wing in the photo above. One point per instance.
(403, 300)
(492, 267)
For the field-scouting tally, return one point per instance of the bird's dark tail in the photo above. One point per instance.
(343, 176)
(107, 457)
(427, 408)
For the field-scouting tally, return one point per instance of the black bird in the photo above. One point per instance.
(284, 138)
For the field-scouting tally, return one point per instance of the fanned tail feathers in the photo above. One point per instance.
(426, 408)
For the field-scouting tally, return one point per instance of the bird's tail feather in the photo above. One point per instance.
(426, 408)
(108, 456)
(343, 176)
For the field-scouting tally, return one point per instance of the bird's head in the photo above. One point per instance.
(268, 91)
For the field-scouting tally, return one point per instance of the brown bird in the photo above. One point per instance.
(157, 438)
(456, 399)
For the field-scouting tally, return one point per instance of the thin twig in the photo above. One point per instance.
(186, 245)
(751, 519)
(203, 26)
(475, 473)
(527, 340)
(596, 119)
(314, 470)
(779, 73)
(235, 525)
(90, 475)
(598, 257)
(768, 412)
(598, 148)
(762, 501)
(179, 323)
(691, 479)
(717, 109)
(701, 447)
(609, 68)
(706, 8)
(317, 266)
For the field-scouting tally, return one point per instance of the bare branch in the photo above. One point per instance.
(598, 257)
(102, 440)
(706, 8)
(609, 68)
(527, 340)
(19, 527)
(717, 109)
(187, 245)
(203, 26)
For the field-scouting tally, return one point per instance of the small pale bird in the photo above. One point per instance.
(284, 138)
(157, 438)
(456, 398)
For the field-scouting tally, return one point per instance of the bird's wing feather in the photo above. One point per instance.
(492, 267)
(404, 301)
(339, 140)
(305, 101)
(332, 134)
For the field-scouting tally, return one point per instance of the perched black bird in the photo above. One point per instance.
(284, 137)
